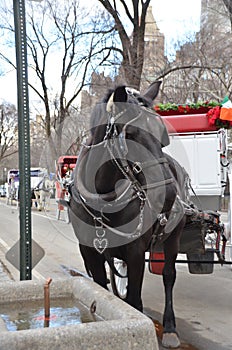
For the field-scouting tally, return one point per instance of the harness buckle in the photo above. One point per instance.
(162, 219)
(142, 196)
(98, 223)
(137, 168)
(100, 230)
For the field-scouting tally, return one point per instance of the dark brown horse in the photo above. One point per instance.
(126, 196)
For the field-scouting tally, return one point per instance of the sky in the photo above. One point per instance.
(176, 19)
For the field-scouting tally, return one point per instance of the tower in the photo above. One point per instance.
(154, 58)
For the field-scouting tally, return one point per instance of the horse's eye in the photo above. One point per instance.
(142, 101)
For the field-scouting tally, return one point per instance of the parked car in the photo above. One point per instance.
(2, 191)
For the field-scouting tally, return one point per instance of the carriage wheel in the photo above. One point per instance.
(119, 284)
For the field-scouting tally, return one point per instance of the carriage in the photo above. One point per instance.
(64, 168)
(202, 150)
(42, 188)
(38, 177)
(12, 186)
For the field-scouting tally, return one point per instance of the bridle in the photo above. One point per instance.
(117, 150)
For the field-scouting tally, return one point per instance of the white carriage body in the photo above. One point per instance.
(229, 235)
(12, 174)
(37, 175)
(202, 154)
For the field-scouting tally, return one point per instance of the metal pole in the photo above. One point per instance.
(24, 140)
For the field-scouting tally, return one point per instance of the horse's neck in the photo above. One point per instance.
(47, 184)
(42, 184)
(112, 176)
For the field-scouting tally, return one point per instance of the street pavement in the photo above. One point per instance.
(4, 274)
(56, 237)
(202, 303)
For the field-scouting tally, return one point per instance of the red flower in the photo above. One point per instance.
(181, 109)
(214, 115)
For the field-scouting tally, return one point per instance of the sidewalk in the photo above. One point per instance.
(55, 237)
(4, 274)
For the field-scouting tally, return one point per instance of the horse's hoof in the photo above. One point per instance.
(170, 340)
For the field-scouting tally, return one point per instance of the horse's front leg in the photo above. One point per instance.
(38, 201)
(170, 338)
(135, 271)
(43, 200)
(94, 265)
(171, 247)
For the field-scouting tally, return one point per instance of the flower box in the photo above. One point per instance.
(188, 123)
(198, 117)
(200, 110)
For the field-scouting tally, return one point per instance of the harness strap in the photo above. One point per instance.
(102, 224)
(139, 166)
(150, 163)
(158, 184)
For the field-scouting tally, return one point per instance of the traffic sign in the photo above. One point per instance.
(13, 254)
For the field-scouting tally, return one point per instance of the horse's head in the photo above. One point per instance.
(125, 127)
(121, 107)
(48, 184)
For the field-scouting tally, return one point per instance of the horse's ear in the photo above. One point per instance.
(119, 95)
(153, 90)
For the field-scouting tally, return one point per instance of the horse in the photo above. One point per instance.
(12, 192)
(126, 196)
(41, 194)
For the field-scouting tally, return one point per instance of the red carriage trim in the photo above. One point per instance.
(156, 267)
(188, 123)
(64, 165)
(67, 160)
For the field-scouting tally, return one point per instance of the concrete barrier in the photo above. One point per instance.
(122, 328)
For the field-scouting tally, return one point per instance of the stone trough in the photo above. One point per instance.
(121, 326)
